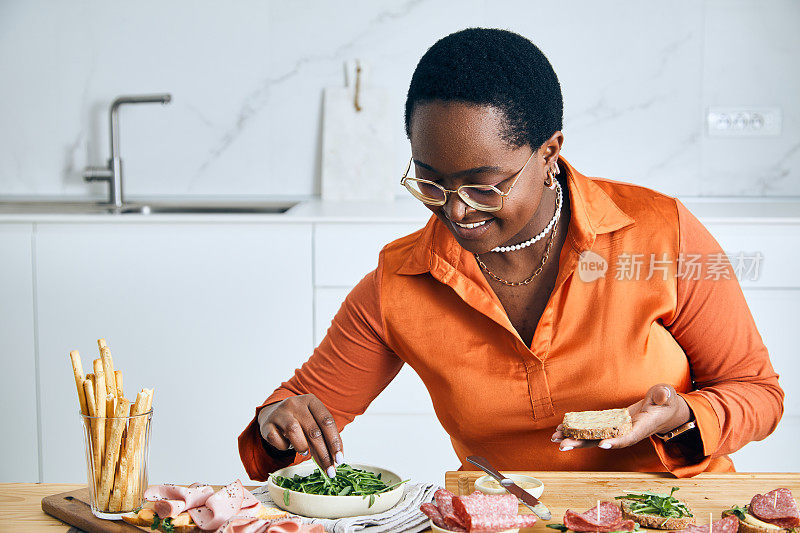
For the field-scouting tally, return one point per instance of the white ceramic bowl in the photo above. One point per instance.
(318, 506)
(437, 529)
(480, 484)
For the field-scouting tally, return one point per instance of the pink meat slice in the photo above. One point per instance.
(776, 507)
(594, 520)
(444, 501)
(169, 508)
(249, 500)
(729, 524)
(432, 512)
(219, 507)
(501, 522)
(244, 525)
(477, 504)
(287, 526)
(193, 496)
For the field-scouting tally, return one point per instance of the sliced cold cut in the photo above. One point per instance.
(729, 524)
(444, 501)
(776, 507)
(219, 507)
(488, 522)
(607, 518)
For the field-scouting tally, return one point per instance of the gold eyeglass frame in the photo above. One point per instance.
(404, 181)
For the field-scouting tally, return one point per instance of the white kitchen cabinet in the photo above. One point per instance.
(776, 453)
(18, 416)
(211, 315)
(345, 253)
(777, 244)
(413, 445)
(774, 312)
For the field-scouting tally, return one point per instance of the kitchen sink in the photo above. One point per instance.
(57, 207)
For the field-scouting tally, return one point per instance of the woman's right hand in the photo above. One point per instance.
(305, 424)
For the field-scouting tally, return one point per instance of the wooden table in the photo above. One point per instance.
(21, 503)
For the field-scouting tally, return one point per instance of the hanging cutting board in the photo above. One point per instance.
(357, 140)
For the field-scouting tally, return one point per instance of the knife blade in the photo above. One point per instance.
(528, 499)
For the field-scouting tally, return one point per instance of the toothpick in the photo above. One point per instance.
(598, 511)
(775, 503)
(710, 522)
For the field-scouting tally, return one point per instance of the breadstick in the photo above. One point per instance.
(91, 405)
(77, 369)
(111, 408)
(108, 366)
(112, 453)
(120, 479)
(118, 383)
(132, 450)
(100, 406)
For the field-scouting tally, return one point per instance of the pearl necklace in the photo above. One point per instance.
(545, 231)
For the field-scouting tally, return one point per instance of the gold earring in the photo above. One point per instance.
(552, 172)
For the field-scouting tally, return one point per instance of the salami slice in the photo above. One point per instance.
(432, 512)
(729, 524)
(776, 507)
(444, 501)
(488, 522)
(608, 518)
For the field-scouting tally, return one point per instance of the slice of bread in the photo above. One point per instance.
(595, 425)
(655, 521)
(753, 525)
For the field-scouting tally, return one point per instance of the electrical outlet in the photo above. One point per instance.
(744, 121)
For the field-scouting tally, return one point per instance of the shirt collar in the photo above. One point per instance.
(593, 213)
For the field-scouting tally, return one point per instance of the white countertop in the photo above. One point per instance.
(731, 210)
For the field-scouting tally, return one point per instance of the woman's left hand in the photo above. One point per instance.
(661, 410)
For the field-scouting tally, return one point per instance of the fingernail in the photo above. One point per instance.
(331, 472)
(339, 458)
(303, 453)
(566, 448)
(604, 445)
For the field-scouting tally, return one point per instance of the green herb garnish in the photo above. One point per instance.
(349, 481)
(165, 524)
(740, 512)
(658, 504)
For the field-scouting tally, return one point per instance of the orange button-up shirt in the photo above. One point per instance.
(604, 338)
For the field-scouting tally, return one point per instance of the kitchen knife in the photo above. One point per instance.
(526, 497)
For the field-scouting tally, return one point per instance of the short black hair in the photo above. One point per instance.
(497, 68)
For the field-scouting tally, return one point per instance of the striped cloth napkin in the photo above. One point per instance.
(405, 517)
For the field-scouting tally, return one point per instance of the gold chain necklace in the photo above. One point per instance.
(527, 280)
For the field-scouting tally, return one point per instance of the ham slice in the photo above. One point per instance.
(169, 508)
(171, 500)
(192, 496)
(249, 500)
(776, 507)
(219, 507)
(598, 520)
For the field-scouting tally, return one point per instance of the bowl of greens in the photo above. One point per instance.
(355, 491)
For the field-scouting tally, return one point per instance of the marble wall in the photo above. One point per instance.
(247, 78)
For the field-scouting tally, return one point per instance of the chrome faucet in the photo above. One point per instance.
(113, 172)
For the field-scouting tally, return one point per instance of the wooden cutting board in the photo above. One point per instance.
(579, 491)
(73, 508)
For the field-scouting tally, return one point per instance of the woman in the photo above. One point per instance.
(533, 291)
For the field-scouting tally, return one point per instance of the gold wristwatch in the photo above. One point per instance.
(677, 431)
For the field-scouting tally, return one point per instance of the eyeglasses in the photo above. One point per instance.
(481, 197)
